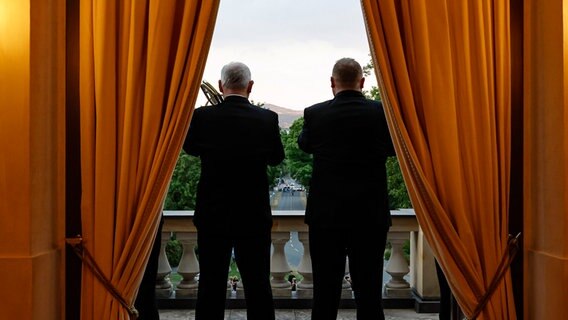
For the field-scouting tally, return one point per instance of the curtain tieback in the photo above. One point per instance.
(506, 260)
(86, 257)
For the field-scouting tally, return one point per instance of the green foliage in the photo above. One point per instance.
(388, 251)
(183, 187)
(233, 270)
(405, 251)
(295, 274)
(368, 68)
(298, 163)
(373, 93)
(398, 194)
(175, 278)
(174, 252)
(275, 172)
(258, 104)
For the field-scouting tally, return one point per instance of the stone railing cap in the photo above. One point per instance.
(282, 213)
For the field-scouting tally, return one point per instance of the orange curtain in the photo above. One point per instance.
(141, 62)
(444, 72)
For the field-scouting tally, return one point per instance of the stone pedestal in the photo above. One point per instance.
(188, 266)
(164, 287)
(305, 267)
(279, 267)
(305, 293)
(347, 293)
(397, 268)
(281, 292)
(236, 294)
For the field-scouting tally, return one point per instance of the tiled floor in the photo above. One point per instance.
(344, 314)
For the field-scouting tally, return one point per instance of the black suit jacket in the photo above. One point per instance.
(350, 141)
(236, 141)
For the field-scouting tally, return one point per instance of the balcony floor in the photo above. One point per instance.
(300, 314)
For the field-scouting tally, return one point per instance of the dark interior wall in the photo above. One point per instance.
(73, 163)
(516, 193)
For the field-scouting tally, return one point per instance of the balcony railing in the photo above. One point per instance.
(408, 284)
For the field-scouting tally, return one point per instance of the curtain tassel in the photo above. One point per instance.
(76, 244)
(506, 260)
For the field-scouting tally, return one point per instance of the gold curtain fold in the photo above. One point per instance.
(141, 62)
(444, 72)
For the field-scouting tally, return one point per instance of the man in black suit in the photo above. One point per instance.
(347, 209)
(236, 141)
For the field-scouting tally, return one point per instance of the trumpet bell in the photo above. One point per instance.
(212, 95)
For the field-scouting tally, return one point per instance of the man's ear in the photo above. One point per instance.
(249, 87)
(361, 83)
(333, 86)
(220, 86)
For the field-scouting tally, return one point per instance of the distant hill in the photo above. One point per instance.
(285, 116)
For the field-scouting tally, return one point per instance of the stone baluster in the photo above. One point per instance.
(346, 284)
(188, 265)
(397, 267)
(305, 268)
(279, 267)
(163, 284)
(346, 292)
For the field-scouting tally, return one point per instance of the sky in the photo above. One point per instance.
(290, 46)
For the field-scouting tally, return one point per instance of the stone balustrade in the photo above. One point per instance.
(415, 280)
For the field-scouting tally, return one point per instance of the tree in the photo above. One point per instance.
(372, 93)
(183, 187)
(398, 194)
(298, 163)
(274, 173)
(258, 104)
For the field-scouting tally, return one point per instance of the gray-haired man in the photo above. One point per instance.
(235, 141)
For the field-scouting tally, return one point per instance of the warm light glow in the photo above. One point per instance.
(14, 56)
(3, 21)
(565, 26)
(565, 29)
(565, 73)
(14, 26)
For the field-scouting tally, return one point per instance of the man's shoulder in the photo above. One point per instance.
(265, 111)
(374, 104)
(202, 109)
(260, 113)
(369, 104)
(252, 111)
(318, 106)
(206, 113)
(230, 107)
(358, 99)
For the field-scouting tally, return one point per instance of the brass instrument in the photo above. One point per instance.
(212, 95)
